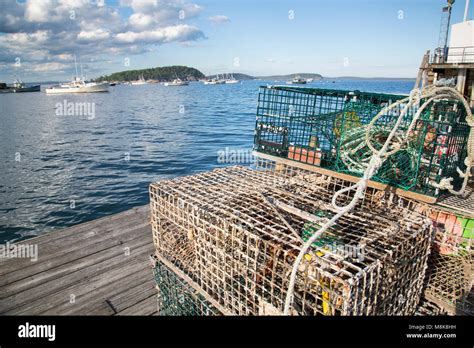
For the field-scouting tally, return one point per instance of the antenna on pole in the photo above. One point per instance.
(440, 52)
(466, 10)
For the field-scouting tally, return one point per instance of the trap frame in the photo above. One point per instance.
(449, 283)
(239, 231)
(428, 308)
(327, 128)
(449, 277)
(176, 296)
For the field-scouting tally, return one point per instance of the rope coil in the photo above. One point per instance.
(430, 94)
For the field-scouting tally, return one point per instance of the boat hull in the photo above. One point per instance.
(104, 87)
(36, 88)
(171, 84)
(214, 82)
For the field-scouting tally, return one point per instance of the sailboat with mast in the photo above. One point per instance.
(78, 85)
(139, 82)
(217, 80)
(231, 80)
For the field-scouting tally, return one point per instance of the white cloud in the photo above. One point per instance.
(42, 11)
(46, 67)
(14, 40)
(163, 10)
(141, 21)
(182, 32)
(219, 19)
(43, 33)
(149, 14)
(65, 57)
(38, 11)
(11, 20)
(93, 35)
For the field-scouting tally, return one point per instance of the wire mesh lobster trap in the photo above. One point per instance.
(449, 280)
(449, 283)
(176, 296)
(450, 274)
(328, 128)
(428, 308)
(238, 231)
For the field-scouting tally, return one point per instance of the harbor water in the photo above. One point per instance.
(68, 159)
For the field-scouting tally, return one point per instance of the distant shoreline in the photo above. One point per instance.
(269, 78)
(169, 73)
(371, 78)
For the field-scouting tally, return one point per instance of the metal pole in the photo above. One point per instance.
(447, 32)
(466, 10)
(75, 66)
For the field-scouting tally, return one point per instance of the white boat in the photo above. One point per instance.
(214, 81)
(231, 80)
(139, 82)
(211, 82)
(78, 85)
(297, 81)
(177, 82)
(221, 79)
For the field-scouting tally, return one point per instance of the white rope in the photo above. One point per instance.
(430, 94)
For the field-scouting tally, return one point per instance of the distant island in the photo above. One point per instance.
(371, 78)
(166, 73)
(291, 77)
(169, 73)
(237, 76)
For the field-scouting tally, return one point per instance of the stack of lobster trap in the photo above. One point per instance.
(449, 279)
(226, 240)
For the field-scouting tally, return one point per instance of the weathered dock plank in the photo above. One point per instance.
(95, 268)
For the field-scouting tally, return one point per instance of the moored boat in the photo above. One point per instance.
(297, 80)
(139, 82)
(231, 80)
(78, 86)
(19, 87)
(214, 81)
(177, 82)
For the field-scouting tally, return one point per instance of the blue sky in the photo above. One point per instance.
(335, 38)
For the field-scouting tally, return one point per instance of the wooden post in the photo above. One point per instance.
(422, 71)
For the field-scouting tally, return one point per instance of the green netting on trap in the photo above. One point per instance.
(329, 128)
(177, 297)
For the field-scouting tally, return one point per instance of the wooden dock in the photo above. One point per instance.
(100, 267)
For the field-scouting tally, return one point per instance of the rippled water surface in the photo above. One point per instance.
(57, 171)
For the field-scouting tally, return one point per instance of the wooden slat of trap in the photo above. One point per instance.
(373, 184)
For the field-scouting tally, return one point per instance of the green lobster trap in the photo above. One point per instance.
(176, 296)
(329, 128)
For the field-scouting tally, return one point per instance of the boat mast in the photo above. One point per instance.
(82, 73)
(75, 67)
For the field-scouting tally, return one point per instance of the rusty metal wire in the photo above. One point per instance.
(427, 308)
(237, 232)
(449, 283)
(176, 296)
